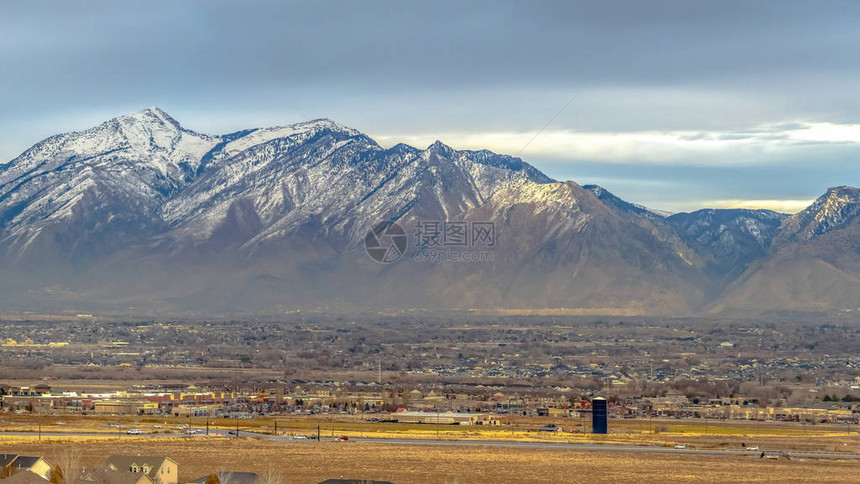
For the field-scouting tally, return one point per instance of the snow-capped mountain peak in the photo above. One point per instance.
(140, 208)
(153, 132)
(241, 141)
(127, 165)
(835, 209)
(150, 137)
(152, 115)
(440, 148)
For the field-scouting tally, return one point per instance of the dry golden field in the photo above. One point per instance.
(430, 462)
(667, 432)
(313, 462)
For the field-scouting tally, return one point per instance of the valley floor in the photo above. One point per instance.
(315, 462)
(410, 453)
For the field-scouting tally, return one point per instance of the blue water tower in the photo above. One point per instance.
(598, 416)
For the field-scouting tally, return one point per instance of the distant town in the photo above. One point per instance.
(316, 397)
(381, 365)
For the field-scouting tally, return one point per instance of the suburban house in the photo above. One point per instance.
(13, 464)
(24, 478)
(160, 470)
(109, 476)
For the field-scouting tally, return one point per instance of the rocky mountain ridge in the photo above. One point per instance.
(140, 212)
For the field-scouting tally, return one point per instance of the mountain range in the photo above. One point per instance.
(140, 214)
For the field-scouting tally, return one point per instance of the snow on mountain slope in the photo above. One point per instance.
(116, 174)
(148, 152)
(813, 262)
(724, 226)
(152, 170)
(277, 168)
(322, 173)
(234, 208)
(149, 137)
(260, 136)
(560, 246)
(835, 209)
(140, 211)
(729, 239)
(610, 199)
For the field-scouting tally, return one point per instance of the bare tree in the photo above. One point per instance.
(67, 466)
(224, 476)
(270, 476)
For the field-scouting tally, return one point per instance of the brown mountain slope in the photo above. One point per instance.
(814, 263)
(558, 246)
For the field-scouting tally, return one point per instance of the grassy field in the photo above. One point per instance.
(314, 462)
(667, 432)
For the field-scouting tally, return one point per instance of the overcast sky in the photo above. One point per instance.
(678, 105)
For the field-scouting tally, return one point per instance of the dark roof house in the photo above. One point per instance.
(25, 478)
(110, 476)
(157, 468)
(6, 459)
(26, 461)
(12, 464)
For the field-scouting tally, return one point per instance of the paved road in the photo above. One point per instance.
(584, 446)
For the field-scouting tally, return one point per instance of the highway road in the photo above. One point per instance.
(576, 446)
